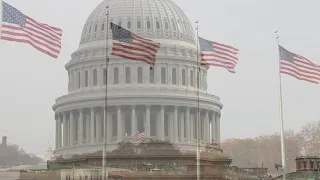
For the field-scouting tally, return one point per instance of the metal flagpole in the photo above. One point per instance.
(198, 109)
(283, 155)
(1, 10)
(104, 153)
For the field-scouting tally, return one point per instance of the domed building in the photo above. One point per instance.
(162, 102)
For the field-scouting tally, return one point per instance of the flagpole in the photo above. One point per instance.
(104, 153)
(198, 108)
(1, 14)
(283, 155)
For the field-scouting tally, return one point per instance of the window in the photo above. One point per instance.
(183, 76)
(128, 75)
(140, 75)
(104, 76)
(148, 24)
(304, 165)
(311, 164)
(174, 26)
(102, 27)
(96, 28)
(129, 24)
(158, 25)
(151, 76)
(86, 77)
(166, 25)
(174, 76)
(90, 28)
(95, 77)
(79, 80)
(139, 24)
(298, 165)
(116, 75)
(191, 78)
(163, 75)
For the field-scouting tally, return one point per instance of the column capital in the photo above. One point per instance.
(148, 106)
(133, 106)
(162, 106)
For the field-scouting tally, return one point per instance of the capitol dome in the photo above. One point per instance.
(161, 102)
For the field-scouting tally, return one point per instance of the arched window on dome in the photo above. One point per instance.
(148, 24)
(104, 76)
(139, 25)
(174, 26)
(79, 80)
(158, 25)
(183, 77)
(140, 75)
(174, 76)
(191, 78)
(163, 75)
(151, 72)
(86, 79)
(166, 25)
(95, 77)
(129, 24)
(102, 27)
(115, 75)
(128, 75)
(96, 28)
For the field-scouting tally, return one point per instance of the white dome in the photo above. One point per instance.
(161, 19)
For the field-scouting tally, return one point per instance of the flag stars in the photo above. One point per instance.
(13, 16)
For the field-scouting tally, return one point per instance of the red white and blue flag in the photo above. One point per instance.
(217, 54)
(298, 66)
(132, 47)
(18, 27)
(138, 137)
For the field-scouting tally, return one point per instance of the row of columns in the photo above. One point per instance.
(173, 123)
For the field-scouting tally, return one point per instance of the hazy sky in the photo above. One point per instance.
(31, 81)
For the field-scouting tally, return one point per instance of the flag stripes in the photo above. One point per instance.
(138, 136)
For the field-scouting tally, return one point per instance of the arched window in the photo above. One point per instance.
(140, 75)
(79, 80)
(148, 24)
(151, 76)
(158, 25)
(191, 78)
(174, 76)
(166, 25)
(95, 77)
(183, 77)
(104, 76)
(102, 27)
(174, 26)
(139, 24)
(115, 75)
(128, 75)
(86, 79)
(96, 28)
(129, 24)
(163, 76)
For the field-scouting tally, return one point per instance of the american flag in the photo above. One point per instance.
(298, 66)
(138, 136)
(20, 28)
(216, 54)
(130, 46)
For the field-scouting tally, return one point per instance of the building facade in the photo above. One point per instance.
(162, 102)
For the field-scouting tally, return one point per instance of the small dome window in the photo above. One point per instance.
(174, 26)
(148, 24)
(129, 24)
(139, 24)
(166, 25)
(102, 27)
(96, 28)
(158, 25)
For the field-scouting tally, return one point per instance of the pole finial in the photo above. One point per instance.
(277, 35)
(107, 10)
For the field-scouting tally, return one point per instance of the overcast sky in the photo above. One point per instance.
(31, 81)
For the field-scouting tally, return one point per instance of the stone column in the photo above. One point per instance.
(147, 127)
(182, 127)
(192, 127)
(87, 127)
(175, 123)
(218, 127)
(206, 127)
(133, 121)
(119, 124)
(188, 124)
(92, 125)
(98, 127)
(171, 127)
(57, 132)
(213, 129)
(109, 127)
(71, 141)
(161, 128)
(64, 119)
(80, 123)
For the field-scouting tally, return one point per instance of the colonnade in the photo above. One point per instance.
(176, 124)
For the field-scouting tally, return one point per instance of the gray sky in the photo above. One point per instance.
(31, 81)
